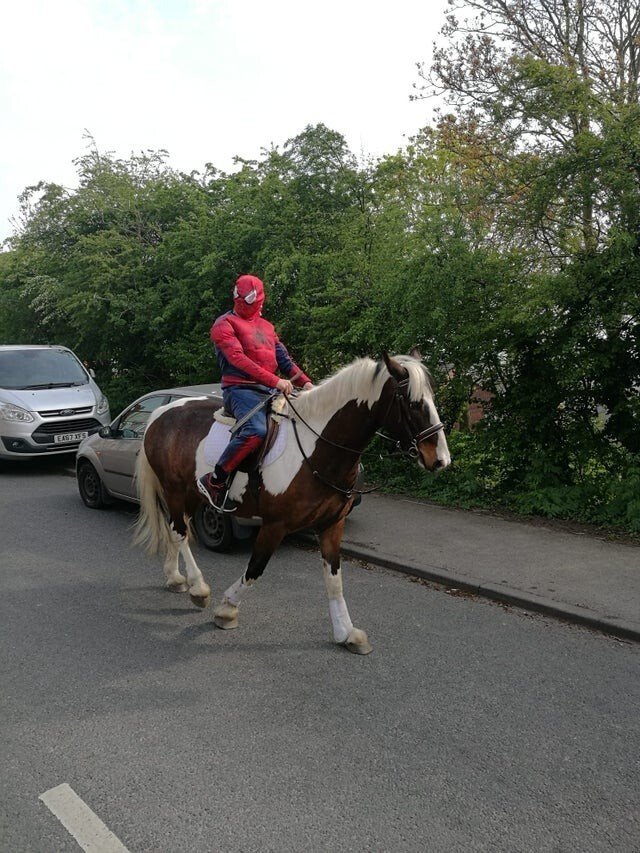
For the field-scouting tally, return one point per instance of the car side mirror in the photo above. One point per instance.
(105, 432)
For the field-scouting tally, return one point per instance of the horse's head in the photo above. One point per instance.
(411, 417)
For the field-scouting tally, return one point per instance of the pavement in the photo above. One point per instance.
(574, 576)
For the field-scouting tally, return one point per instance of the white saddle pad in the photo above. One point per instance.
(220, 435)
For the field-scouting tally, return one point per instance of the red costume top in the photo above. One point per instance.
(249, 350)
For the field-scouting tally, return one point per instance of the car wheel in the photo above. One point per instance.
(213, 528)
(91, 487)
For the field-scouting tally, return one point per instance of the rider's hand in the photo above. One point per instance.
(285, 386)
(307, 386)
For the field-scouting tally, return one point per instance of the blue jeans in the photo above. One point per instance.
(239, 401)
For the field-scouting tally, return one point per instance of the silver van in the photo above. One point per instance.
(49, 402)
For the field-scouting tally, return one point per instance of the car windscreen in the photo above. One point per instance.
(40, 368)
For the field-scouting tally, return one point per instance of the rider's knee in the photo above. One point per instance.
(259, 430)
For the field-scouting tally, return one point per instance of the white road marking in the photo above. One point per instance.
(78, 819)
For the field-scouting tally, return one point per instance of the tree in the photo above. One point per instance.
(96, 269)
(546, 96)
(556, 84)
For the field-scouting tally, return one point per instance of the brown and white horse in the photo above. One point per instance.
(308, 486)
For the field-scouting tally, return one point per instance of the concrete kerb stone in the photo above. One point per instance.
(503, 594)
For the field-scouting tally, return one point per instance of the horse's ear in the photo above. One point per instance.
(415, 353)
(394, 367)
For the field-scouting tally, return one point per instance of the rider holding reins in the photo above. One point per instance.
(249, 354)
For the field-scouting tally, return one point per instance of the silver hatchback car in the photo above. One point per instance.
(106, 461)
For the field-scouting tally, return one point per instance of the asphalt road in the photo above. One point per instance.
(471, 727)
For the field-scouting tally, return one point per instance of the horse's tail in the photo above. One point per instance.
(151, 528)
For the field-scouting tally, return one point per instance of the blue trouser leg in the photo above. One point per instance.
(240, 401)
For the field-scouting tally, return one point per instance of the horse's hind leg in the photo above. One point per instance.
(269, 537)
(175, 581)
(199, 589)
(354, 639)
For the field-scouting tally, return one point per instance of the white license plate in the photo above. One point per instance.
(69, 437)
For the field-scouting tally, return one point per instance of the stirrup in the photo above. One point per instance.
(207, 494)
(232, 507)
(219, 501)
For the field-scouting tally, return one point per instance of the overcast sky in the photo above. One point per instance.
(204, 79)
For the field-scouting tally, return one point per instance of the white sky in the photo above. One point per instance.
(204, 79)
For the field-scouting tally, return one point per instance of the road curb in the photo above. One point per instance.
(503, 594)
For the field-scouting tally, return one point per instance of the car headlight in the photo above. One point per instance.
(10, 412)
(103, 405)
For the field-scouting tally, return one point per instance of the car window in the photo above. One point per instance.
(134, 421)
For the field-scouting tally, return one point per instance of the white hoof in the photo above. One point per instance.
(225, 616)
(176, 586)
(358, 642)
(200, 601)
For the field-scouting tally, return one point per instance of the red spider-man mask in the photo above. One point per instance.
(248, 297)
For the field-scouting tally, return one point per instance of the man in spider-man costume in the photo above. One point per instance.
(249, 354)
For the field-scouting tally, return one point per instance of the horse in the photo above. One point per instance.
(310, 485)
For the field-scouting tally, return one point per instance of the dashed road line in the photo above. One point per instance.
(78, 819)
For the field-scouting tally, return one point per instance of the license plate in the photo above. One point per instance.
(69, 437)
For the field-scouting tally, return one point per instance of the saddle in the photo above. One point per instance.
(275, 415)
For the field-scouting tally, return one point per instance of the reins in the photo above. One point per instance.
(347, 492)
(412, 451)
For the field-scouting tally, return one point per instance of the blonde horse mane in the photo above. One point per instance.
(363, 381)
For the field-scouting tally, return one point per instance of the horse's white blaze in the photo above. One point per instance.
(442, 450)
(420, 390)
(340, 619)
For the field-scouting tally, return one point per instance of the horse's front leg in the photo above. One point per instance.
(354, 639)
(269, 537)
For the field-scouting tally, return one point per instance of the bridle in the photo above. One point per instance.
(408, 448)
